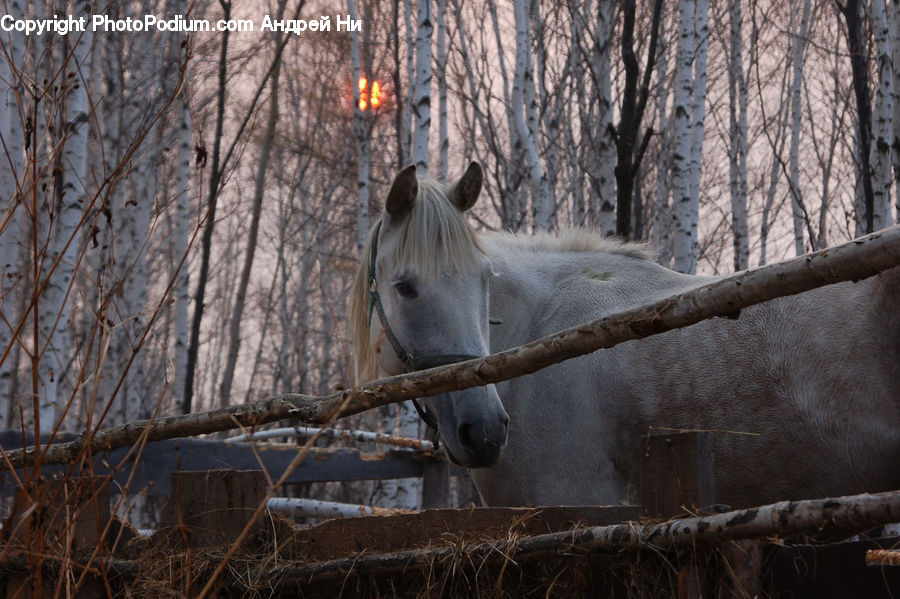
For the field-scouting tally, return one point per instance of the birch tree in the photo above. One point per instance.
(801, 30)
(601, 206)
(421, 108)
(59, 263)
(12, 169)
(360, 137)
(737, 154)
(883, 29)
(864, 209)
(661, 236)
(685, 207)
(698, 109)
(443, 137)
(133, 212)
(522, 83)
(893, 11)
(180, 245)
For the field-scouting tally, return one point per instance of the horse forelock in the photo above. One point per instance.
(433, 238)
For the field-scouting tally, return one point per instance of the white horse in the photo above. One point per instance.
(802, 393)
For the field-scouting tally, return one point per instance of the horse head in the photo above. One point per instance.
(420, 300)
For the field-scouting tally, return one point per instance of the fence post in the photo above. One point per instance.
(677, 473)
(212, 507)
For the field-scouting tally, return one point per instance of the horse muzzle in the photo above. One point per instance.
(477, 435)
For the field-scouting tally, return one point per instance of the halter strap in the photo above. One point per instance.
(411, 363)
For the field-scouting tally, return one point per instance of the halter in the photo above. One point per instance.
(411, 362)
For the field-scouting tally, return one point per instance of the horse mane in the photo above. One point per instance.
(433, 237)
(575, 240)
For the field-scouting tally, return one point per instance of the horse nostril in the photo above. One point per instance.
(466, 435)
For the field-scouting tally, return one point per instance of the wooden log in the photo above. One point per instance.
(213, 507)
(347, 536)
(677, 474)
(850, 514)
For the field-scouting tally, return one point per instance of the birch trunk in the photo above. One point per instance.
(602, 204)
(547, 122)
(513, 202)
(856, 46)
(522, 82)
(12, 168)
(883, 27)
(894, 12)
(134, 215)
(361, 140)
(422, 104)
(661, 238)
(685, 209)
(698, 106)
(443, 137)
(798, 51)
(411, 81)
(577, 113)
(182, 220)
(737, 155)
(54, 302)
(401, 109)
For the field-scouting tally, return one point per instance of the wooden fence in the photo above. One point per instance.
(605, 550)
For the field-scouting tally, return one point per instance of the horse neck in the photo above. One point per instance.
(528, 284)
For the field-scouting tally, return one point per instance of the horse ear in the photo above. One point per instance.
(466, 190)
(402, 196)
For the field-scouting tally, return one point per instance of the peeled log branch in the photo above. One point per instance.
(852, 261)
(849, 514)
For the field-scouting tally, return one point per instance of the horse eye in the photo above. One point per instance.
(406, 289)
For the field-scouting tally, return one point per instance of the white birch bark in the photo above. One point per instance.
(361, 141)
(182, 220)
(798, 51)
(12, 162)
(737, 155)
(698, 110)
(54, 304)
(552, 103)
(443, 137)
(136, 212)
(661, 236)
(684, 209)
(894, 12)
(522, 81)
(581, 151)
(422, 104)
(411, 81)
(603, 206)
(882, 114)
(513, 200)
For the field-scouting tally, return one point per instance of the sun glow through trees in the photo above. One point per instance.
(369, 96)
